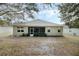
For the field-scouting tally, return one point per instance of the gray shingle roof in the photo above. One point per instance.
(37, 23)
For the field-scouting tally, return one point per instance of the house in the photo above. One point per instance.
(37, 28)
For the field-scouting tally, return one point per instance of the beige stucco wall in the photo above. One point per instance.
(53, 31)
(15, 33)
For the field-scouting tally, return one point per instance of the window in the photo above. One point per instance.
(58, 30)
(18, 30)
(48, 30)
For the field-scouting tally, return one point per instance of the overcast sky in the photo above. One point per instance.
(51, 15)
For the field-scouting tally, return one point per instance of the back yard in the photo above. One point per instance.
(34, 46)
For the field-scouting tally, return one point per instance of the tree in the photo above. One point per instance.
(69, 13)
(10, 11)
(2, 22)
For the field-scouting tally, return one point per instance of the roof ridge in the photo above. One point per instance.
(41, 20)
(48, 22)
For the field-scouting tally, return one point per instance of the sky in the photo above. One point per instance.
(51, 15)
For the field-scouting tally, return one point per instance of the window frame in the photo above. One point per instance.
(22, 30)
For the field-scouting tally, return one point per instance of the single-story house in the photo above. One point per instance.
(37, 28)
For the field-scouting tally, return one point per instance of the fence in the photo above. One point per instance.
(6, 31)
(71, 31)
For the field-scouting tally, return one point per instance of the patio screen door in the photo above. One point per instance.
(36, 31)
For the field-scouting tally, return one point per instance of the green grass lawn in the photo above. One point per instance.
(18, 46)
